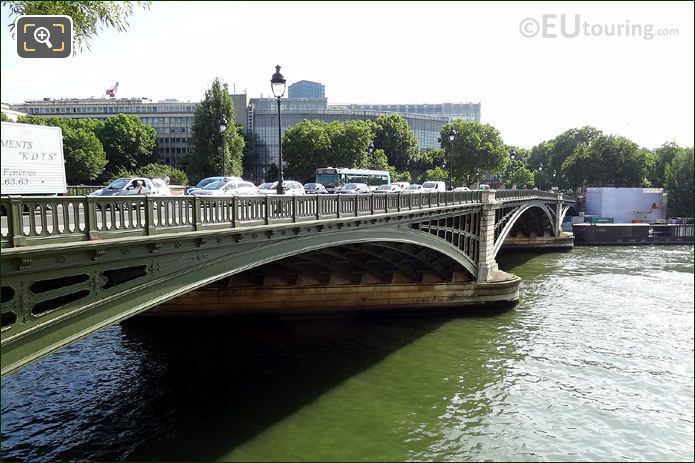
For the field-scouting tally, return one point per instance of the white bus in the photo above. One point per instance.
(335, 177)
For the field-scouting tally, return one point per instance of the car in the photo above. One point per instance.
(433, 186)
(462, 188)
(483, 186)
(353, 189)
(414, 188)
(209, 180)
(127, 186)
(291, 188)
(315, 189)
(226, 188)
(402, 185)
(389, 188)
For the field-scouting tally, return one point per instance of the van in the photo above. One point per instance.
(433, 186)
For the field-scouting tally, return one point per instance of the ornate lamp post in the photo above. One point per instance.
(222, 122)
(278, 84)
(452, 138)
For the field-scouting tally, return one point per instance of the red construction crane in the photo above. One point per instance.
(112, 91)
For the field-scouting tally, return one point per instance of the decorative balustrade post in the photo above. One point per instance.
(15, 222)
(371, 204)
(486, 254)
(197, 213)
(318, 207)
(294, 208)
(356, 206)
(90, 227)
(267, 209)
(337, 209)
(558, 215)
(235, 212)
(149, 216)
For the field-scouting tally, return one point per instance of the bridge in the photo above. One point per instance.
(75, 264)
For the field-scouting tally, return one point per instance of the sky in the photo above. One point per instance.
(533, 77)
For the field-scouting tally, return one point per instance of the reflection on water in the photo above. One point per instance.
(595, 363)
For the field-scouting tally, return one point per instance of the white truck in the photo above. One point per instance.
(32, 160)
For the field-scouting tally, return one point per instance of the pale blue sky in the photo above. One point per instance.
(531, 89)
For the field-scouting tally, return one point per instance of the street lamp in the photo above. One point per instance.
(222, 122)
(278, 83)
(452, 137)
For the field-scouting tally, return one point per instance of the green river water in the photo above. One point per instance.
(595, 363)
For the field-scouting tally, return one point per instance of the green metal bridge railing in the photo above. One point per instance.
(41, 220)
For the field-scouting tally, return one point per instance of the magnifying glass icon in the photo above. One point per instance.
(42, 35)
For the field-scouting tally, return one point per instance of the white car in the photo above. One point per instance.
(402, 185)
(226, 188)
(390, 188)
(414, 188)
(129, 186)
(291, 188)
(462, 188)
(428, 187)
(353, 189)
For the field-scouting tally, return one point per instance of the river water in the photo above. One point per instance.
(595, 363)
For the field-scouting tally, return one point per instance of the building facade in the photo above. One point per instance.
(172, 119)
(306, 89)
(467, 111)
(263, 124)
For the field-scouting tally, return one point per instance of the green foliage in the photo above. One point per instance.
(377, 161)
(514, 171)
(547, 158)
(393, 135)
(248, 156)
(679, 183)
(206, 158)
(85, 158)
(84, 153)
(128, 142)
(401, 177)
(5, 118)
(88, 17)
(478, 151)
(609, 161)
(309, 145)
(664, 156)
(435, 174)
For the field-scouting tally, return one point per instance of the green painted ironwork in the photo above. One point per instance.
(72, 265)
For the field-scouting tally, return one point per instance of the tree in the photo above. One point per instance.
(609, 161)
(478, 150)
(349, 143)
(206, 158)
(393, 135)
(5, 118)
(679, 182)
(514, 171)
(85, 158)
(128, 142)
(88, 17)
(305, 147)
(377, 161)
(546, 159)
(664, 156)
(435, 174)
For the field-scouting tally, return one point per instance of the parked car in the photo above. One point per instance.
(291, 188)
(433, 186)
(414, 188)
(127, 186)
(390, 188)
(207, 181)
(353, 189)
(483, 186)
(226, 188)
(402, 185)
(315, 189)
(462, 188)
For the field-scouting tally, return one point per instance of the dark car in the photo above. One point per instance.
(315, 189)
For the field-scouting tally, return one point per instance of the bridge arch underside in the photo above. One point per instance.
(111, 284)
(527, 221)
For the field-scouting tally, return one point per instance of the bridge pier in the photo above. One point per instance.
(487, 265)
